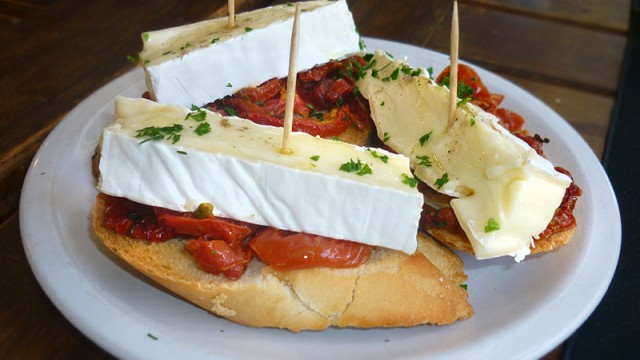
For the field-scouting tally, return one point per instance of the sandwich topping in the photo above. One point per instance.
(504, 192)
(224, 246)
(204, 61)
(237, 166)
(326, 103)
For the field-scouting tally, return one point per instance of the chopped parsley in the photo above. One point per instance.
(358, 167)
(424, 160)
(492, 225)
(442, 180)
(464, 286)
(315, 114)
(424, 138)
(230, 111)
(315, 157)
(181, 152)
(247, 29)
(196, 114)
(375, 72)
(462, 102)
(430, 71)
(229, 85)
(156, 133)
(472, 121)
(145, 36)
(464, 90)
(150, 335)
(203, 128)
(383, 158)
(382, 103)
(259, 102)
(215, 40)
(409, 180)
(361, 70)
(385, 137)
(393, 76)
(133, 58)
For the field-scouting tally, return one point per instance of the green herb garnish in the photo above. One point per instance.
(358, 167)
(230, 111)
(156, 133)
(424, 138)
(383, 158)
(409, 180)
(424, 160)
(315, 157)
(462, 102)
(203, 128)
(442, 180)
(492, 225)
(133, 58)
(196, 114)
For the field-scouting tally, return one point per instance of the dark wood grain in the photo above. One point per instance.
(553, 52)
(32, 326)
(611, 16)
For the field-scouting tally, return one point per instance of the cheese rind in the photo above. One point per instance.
(497, 178)
(205, 61)
(238, 167)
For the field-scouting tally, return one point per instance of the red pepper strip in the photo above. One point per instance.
(289, 251)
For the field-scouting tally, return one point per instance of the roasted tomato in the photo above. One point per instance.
(209, 228)
(470, 85)
(285, 250)
(219, 257)
(138, 221)
(325, 103)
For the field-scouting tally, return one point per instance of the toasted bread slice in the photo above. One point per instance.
(391, 290)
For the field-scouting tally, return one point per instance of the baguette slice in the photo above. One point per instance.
(391, 290)
(462, 243)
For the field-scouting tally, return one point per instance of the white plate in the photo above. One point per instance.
(521, 310)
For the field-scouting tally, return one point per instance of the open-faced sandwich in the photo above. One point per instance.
(195, 193)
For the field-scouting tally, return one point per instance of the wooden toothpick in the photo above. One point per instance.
(232, 14)
(453, 68)
(291, 84)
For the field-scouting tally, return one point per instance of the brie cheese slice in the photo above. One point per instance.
(324, 187)
(205, 61)
(506, 193)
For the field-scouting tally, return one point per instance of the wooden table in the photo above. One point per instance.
(56, 52)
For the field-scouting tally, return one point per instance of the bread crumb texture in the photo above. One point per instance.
(391, 290)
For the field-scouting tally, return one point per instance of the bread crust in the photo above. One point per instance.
(460, 242)
(391, 290)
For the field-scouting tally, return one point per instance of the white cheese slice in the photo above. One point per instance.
(205, 61)
(238, 167)
(497, 179)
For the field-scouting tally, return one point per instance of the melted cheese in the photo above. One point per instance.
(238, 168)
(497, 179)
(205, 61)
